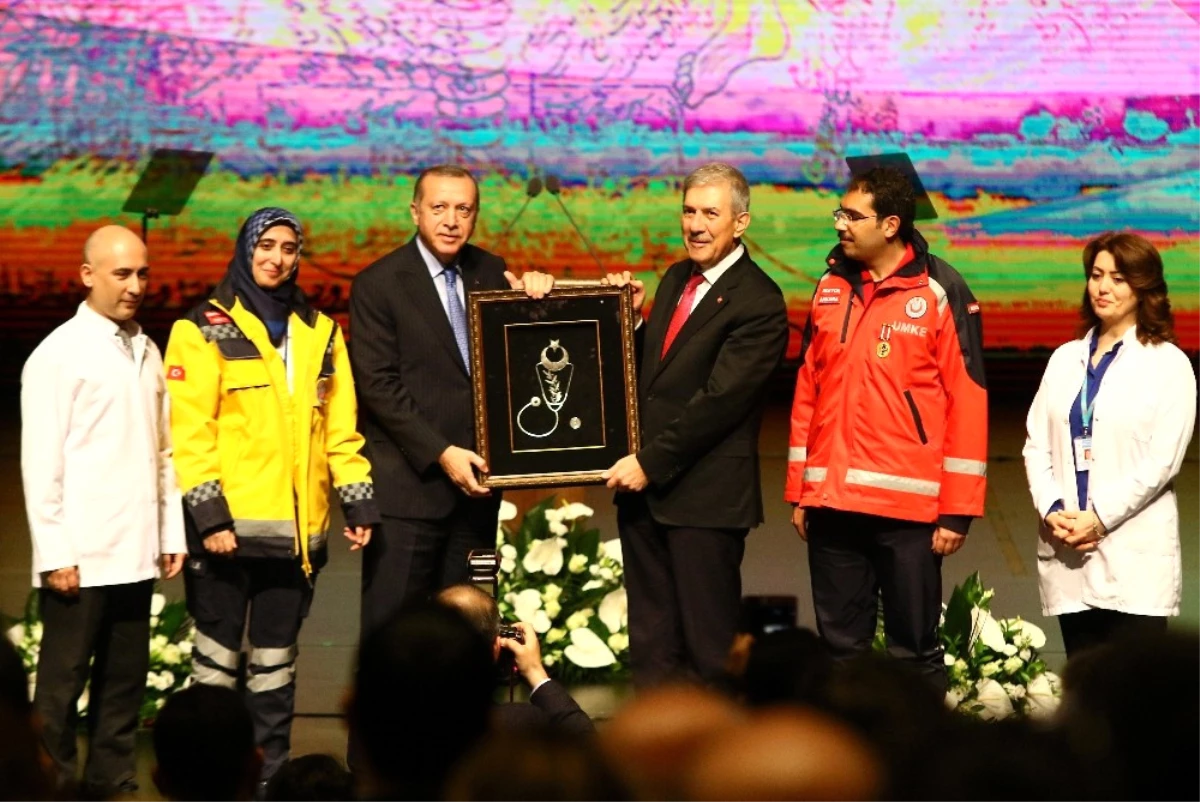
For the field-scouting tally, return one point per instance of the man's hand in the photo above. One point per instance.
(528, 654)
(1059, 524)
(1086, 532)
(536, 285)
(223, 543)
(172, 564)
(359, 537)
(64, 581)
(799, 522)
(947, 541)
(458, 463)
(626, 474)
(638, 287)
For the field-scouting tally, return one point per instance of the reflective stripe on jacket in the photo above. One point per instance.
(250, 454)
(889, 415)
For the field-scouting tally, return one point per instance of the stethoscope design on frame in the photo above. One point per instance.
(554, 380)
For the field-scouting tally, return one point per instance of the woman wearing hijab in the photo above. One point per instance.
(262, 414)
(1107, 434)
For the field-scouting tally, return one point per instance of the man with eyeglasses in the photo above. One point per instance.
(409, 353)
(887, 460)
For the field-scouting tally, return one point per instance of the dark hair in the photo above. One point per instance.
(14, 684)
(204, 743)
(1139, 262)
(892, 196)
(479, 608)
(311, 778)
(540, 765)
(444, 171)
(422, 697)
(787, 666)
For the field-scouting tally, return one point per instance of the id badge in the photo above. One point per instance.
(1083, 453)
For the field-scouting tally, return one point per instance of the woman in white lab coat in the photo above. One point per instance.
(1105, 439)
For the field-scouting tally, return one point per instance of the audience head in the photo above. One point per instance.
(478, 608)
(651, 738)
(788, 665)
(25, 769)
(311, 778)
(421, 699)
(204, 745)
(536, 766)
(784, 753)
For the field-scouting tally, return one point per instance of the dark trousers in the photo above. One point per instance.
(410, 558)
(684, 586)
(111, 624)
(275, 597)
(1095, 627)
(854, 561)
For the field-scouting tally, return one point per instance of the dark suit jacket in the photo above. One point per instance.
(414, 392)
(701, 405)
(549, 708)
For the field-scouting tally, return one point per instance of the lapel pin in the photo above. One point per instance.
(720, 299)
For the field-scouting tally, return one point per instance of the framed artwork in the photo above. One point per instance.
(555, 384)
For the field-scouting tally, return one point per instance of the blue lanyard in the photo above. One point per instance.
(1085, 409)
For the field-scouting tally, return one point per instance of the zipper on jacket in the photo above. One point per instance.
(846, 321)
(916, 416)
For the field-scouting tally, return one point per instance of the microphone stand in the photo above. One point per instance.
(554, 187)
(532, 190)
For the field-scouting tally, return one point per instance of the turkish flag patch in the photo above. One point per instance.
(176, 372)
(216, 318)
(972, 309)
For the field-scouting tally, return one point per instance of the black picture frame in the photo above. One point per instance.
(554, 383)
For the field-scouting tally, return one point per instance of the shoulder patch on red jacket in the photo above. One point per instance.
(216, 318)
(177, 373)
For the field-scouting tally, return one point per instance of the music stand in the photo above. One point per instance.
(900, 161)
(166, 183)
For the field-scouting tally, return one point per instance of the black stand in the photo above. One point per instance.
(901, 162)
(166, 184)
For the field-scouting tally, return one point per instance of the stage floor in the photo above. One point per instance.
(1001, 547)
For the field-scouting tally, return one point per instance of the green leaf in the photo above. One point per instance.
(587, 543)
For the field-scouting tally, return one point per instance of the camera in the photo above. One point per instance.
(512, 633)
(763, 614)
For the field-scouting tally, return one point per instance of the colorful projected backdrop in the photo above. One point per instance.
(1035, 123)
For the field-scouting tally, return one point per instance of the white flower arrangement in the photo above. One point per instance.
(172, 636)
(557, 576)
(992, 665)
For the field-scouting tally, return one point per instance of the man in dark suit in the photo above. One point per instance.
(409, 353)
(687, 499)
(550, 707)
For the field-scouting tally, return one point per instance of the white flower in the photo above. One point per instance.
(171, 655)
(994, 700)
(32, 684)
(554, 515)
(549, 660)
(953, 697)
(508, 511)
(614, 610)
(157, 603)
(612, 550)
(37, 632)
(990, 669)
(82, 705)
(594, 569)
(592, 584)
(618, 642)
(545, 555)
(153, 623)
(947, 659)
(588, 651)
(526, 604)
(158, 703)
(1041, 696)
(577, 564)
(986, 629)
(1013, 664)
(606, 573)
(16, 633)
(960, 665)
(551, 592)
(1009, 649)
(540, 622)
(576, 510)
(508, 558)
(157, 644)
(1027, 634)
(185, 647)
(553, 608)
(1014, 691)
(558, 528)
(1025, 654)
(555, 635)
(579, 618)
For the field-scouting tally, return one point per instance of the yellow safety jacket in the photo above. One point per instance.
(252, 456)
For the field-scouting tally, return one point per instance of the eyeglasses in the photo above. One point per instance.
(848, 216)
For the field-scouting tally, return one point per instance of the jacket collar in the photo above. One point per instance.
(93, 319)
(223, 294)
(1128, 340)
(912, 274)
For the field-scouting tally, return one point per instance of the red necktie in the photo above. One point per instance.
(682, 311)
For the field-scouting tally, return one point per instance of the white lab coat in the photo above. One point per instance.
(100, 487)
(1143, 420)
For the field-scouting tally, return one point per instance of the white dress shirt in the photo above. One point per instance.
(100, 487)
(1144, 415)
(715, 272)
